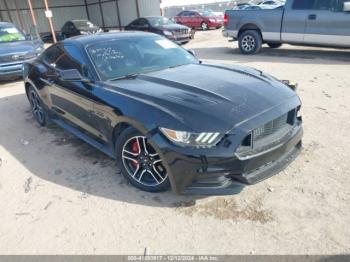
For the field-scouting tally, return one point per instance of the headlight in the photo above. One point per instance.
(204, 139)
(167, 33)
(84, 32)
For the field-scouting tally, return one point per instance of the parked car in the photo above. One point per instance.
(15, 49)
(79, 27)
(166, 117)
(241, 6)
(299, 22)
(199, 19)
(260, 7)
(269, 2)
(162, 26)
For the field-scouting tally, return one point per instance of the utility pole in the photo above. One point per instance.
(48, 14)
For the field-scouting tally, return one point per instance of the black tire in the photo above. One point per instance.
(250, 42)
(274, 45)
(204, 26)
(139, 167)
(38, 110)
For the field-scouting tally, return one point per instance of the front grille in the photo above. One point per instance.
(180, 32)
(12, 58)
(268, 135)
(6, 59)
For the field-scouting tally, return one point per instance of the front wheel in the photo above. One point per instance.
(250, 42)
(37, 107)
(140, 163)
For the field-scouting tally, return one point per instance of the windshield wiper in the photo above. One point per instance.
(128, 76)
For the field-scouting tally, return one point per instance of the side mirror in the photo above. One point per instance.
(72, 75)
(192, 52)
(291, 85)
(346, 7)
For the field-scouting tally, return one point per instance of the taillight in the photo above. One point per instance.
(225, 20)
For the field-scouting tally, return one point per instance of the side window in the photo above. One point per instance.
(52, 54)
(325, 5)
(303, 4)
(339, 6)
(71, 59)
(143, 22)
(184, 13)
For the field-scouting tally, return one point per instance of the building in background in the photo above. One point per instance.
(108, 14)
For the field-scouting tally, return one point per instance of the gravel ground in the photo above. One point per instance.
(60, 196)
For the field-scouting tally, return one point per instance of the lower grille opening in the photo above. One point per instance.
(267, 135)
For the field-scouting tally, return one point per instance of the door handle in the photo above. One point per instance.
(312, 17)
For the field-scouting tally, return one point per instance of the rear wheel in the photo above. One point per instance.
(204, 26)
(250, 42)
(140, 163)
(274, 45)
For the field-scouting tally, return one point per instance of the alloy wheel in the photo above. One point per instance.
(248, 43)
(37, 109)
(204, 26)
(142, 162)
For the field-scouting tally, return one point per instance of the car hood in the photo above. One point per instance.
(197, 94)
(172, 27)
(16, 47)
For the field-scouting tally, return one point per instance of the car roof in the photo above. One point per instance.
(103, 37)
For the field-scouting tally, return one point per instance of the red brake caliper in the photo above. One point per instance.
(135, 149)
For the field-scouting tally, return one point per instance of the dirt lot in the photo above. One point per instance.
(59, 195)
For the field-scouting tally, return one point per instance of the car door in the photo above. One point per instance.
(194, 19)
(72, 101)
(294, 20)
(181, 18)
(328, 24)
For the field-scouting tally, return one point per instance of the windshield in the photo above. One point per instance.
(118, 58)
(11, 34)
(159, 21)
(83, 24)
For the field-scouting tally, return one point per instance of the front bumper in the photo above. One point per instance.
(220, 170)
(11, 70)
(180, 39)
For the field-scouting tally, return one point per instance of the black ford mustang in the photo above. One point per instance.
(167, 118)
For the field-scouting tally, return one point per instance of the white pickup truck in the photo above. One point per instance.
(300, 22)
